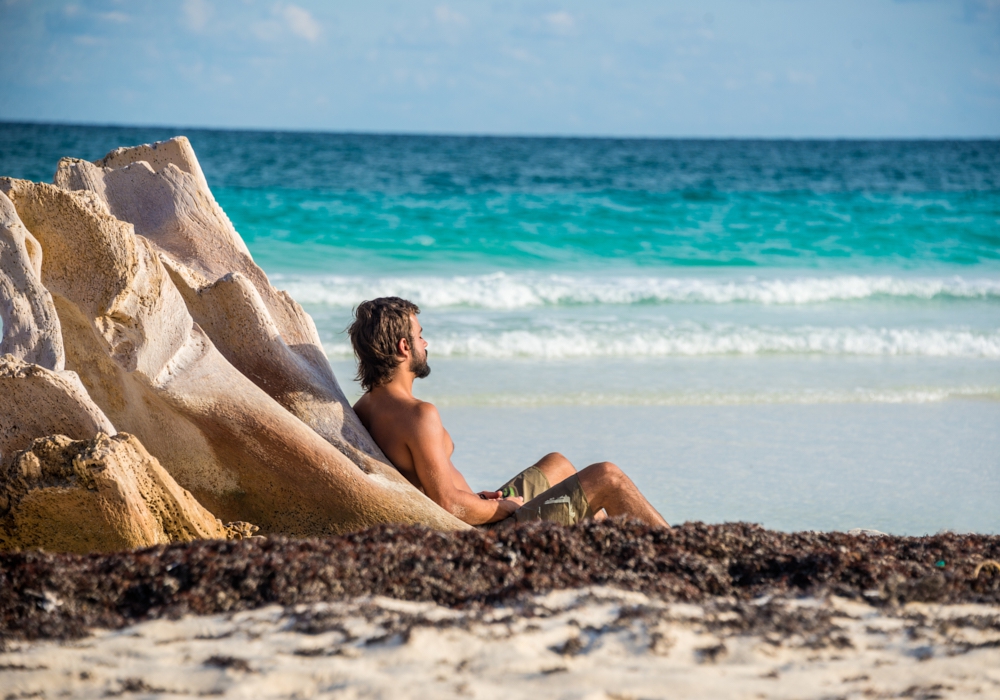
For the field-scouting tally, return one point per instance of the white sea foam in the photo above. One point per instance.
(503, 291)
(907, 395)
(691, 339)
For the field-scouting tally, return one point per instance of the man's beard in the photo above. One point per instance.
(419, 367)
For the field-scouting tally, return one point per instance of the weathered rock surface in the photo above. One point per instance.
(101, 495)
(40, 402)
(97, 493)
(263, 332)
(39, 396)
(157, 375)
(30, 324)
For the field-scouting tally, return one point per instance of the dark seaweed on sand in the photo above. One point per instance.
(62, 595)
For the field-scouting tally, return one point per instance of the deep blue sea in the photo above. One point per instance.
(722, 318)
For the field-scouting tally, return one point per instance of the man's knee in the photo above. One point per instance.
(556, 459)
(609, 474)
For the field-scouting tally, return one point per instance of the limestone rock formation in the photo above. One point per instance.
(263, 332)
(156, 374)
(40, 402)
(39, 396)
(30, 324)
(98, 495)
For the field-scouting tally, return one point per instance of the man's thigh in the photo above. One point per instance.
(564, 503)
(529, 484)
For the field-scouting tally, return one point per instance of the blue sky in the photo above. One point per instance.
(771, 68)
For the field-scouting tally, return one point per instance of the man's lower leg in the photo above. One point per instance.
(606, 486)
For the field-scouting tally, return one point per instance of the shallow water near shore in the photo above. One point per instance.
(765, 450)
(902, 469)
(804, 334)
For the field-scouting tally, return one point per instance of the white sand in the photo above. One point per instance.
(590, 643)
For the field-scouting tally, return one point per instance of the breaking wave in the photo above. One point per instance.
(503, 291)
(691, 339)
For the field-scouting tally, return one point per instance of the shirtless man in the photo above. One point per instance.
(392, 353)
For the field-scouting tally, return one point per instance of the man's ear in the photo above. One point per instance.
(403, 348)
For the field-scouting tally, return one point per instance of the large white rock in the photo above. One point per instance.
(99, 492)
(263, 332)
(157, 375)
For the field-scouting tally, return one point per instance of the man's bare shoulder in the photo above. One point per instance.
(404, 414)
(426, 417)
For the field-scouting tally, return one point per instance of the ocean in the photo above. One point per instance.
(804, 334)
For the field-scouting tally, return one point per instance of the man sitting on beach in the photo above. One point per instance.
(391, 353)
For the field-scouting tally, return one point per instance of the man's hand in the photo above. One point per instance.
(490, 495)
(506, 507)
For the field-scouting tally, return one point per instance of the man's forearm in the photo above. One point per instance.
(472, 509)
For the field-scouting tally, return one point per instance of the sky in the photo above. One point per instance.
(711, 68)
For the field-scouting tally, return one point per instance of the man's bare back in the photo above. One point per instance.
(395, 424)
(410, 433)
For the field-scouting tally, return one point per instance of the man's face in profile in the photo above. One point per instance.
(418, 360)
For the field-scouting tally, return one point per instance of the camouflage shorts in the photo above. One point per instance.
(564, 503)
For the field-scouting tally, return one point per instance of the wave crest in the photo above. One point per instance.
(503, 291)
(692, 340)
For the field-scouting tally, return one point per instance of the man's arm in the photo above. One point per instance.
(438, 475)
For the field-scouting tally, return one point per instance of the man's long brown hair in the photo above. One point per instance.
(378, 327)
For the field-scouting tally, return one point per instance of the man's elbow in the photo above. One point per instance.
(451, 504)
(456, 509)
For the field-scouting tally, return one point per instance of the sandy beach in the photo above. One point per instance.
(727, 611)
(582, 643)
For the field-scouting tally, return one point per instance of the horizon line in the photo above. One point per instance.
(484, 135)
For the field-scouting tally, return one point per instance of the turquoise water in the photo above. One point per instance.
(822, 309)
(636, 231)
(368, 203)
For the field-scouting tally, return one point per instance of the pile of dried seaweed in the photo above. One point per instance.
(62, 595)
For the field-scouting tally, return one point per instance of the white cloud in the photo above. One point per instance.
(798, 77)
(561, 22)
(196, 14)
(301, 22)
(446, 15)
(267, 30)
(519, 54)
(117, 17)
